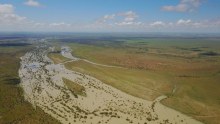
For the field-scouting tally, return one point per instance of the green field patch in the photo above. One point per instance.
(153, 66)
(13, 107)
(140, 83)
(57, 58)
(75, 88)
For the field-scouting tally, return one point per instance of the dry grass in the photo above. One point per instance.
(13, 107)
(160, 68)
(57, 58)
(197, 97)
(140, 83)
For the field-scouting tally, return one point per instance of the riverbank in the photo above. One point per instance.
(44, 87)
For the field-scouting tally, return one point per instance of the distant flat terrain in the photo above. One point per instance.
(71, 96)
(185, 69)
(73, 70)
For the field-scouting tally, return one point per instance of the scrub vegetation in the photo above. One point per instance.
(13, 107)
(75, 88)
(185, 69)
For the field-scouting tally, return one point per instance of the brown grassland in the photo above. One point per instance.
(186, 70)
(13, 108)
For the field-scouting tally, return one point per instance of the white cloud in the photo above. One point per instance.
(106, 18)
(157, 24)
(61, 24)
(8, 17)
(186, 25)
(190, 23)
(184, 6)
(124, 21)
(37, 24)
(109, 16)
(128, 14)
(6, 9)
(128, 23)
(11, 19)
(178, 8)
(184, 22)
(128, 18)
(32, 3)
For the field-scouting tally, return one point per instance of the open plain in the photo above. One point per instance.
(44, 87)
(111, 80)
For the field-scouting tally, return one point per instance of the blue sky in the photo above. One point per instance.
(110, 15)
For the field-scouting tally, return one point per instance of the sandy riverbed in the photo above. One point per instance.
(43, 86)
